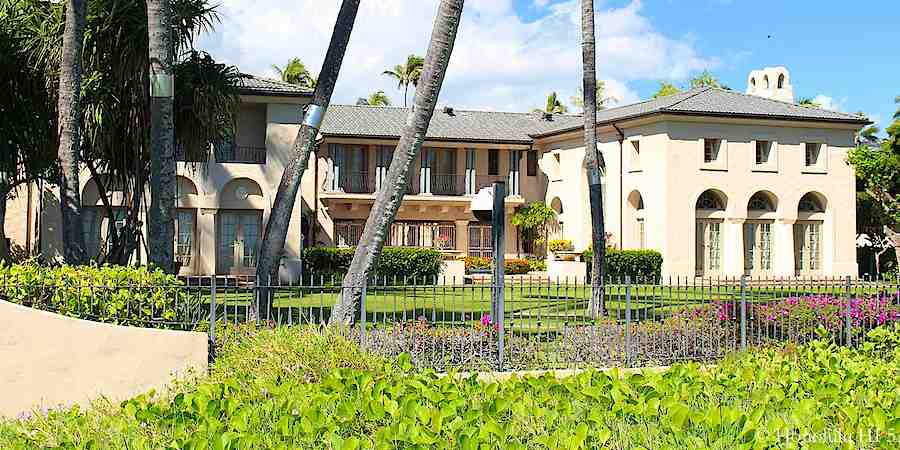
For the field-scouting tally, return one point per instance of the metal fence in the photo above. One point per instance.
(534, 324)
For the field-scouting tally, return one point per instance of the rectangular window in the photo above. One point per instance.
(763, 152)
(480, 240)
(711, 149)
(808, 247)
(437, 235)
(813, 154)
(642, 239)
(493, 162)
(532, 163)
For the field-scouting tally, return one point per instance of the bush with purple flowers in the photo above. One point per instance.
(806, 317)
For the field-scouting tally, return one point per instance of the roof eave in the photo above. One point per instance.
(271, 93)
(433, 139)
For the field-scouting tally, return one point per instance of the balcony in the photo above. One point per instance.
(356, 183)
(448, 184)
(438, 184)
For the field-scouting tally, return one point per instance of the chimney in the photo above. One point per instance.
(548, 116)
(448, 110)
(771, 82)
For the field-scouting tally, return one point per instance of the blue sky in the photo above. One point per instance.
(511, 53)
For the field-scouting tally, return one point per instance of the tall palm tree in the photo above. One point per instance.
(161, 224)
(69, 109)
(389, 197)
(705, 79)
(592, 156)
(554, 105)
(665, 89)
(375, 99)
(295, 72)
(407, 74)
(283, 207)
(809, 102)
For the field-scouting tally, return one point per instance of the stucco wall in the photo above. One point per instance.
(47, 360)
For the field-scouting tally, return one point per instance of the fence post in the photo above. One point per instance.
(362, 315)
(743, 312)
(212, 319)
(627, 321)
(849, 301)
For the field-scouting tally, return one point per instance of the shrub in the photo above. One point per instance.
(477, 263)
(516, 266)
(120, 295)
(803, 318)
(537, 264)
(560, 245)
(639, 265)
(403, 264)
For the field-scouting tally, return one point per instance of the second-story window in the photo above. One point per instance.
(763, 152)
(636, 154)
(532, 163)
(493, 162)
(711, 150)
(813, 155)
(249, 145)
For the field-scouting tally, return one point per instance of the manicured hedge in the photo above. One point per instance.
(403, 264)
(111, 294)
(639, 265)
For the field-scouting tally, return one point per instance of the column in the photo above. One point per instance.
(206, 241)
(733, 247)
(783, 248)
(462, 236)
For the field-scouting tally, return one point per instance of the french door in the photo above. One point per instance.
(709, 247)
(480, 241)
(239, 233)
(185, 231)
(758, 249)
(808, 247)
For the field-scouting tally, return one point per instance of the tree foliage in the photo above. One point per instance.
(531, 220)
(116, 98)
(553, 106)
(375, 99)
(665, 89)
(602, 100)
(407, 74)
(295, 72)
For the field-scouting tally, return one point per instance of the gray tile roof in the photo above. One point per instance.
(254, 85)
(462, 125)
(708, 101)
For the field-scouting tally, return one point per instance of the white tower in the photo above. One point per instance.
(771, 82)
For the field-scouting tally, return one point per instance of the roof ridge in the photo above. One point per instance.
(773, 100)
(687, 97)
(485, 111)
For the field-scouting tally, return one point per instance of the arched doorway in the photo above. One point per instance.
(638, 231)
(758, 234)
(555, 229)
(710, 213)
(185, 225)
(808, 234)
(239, 227)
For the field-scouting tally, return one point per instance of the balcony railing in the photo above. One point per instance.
(356, 183)
(448, 184)
(241, 154)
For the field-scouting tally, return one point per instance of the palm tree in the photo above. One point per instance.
(665, 89)
(389, 197)
(376, 99)
(705, 79)
(70, 70)
(592, 156)
(407, 74)
(554, 105)
(295, 72)
(809, 102)
(161, 224)
(602, 100)
(283, 207)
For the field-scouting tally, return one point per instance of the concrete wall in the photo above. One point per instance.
(50, 360)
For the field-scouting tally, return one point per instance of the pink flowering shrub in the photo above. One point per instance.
(800, 317)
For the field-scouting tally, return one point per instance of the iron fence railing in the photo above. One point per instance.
(536, 324)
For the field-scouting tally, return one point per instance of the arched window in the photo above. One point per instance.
(761, 202)
(753, 82)
(781, 81)
(766, 81)
(811, 203)
(711, 200)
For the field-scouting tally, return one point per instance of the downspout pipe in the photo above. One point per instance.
(621, 185)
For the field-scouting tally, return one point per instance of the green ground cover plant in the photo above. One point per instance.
(812, 396)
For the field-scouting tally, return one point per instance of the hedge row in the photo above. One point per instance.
(112, 294)
(409, 264)
(639, 265)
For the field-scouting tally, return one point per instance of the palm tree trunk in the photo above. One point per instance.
(405, 95)
(389, 197)
(592, 156)
(283, 207)
(69, 108)
(4, 248)
(161, 226)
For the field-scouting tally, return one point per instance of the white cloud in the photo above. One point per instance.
(829, 103)
(499, 62)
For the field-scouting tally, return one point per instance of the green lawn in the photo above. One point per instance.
(525, 304)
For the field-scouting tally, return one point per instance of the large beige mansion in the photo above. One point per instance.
(720, 182)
